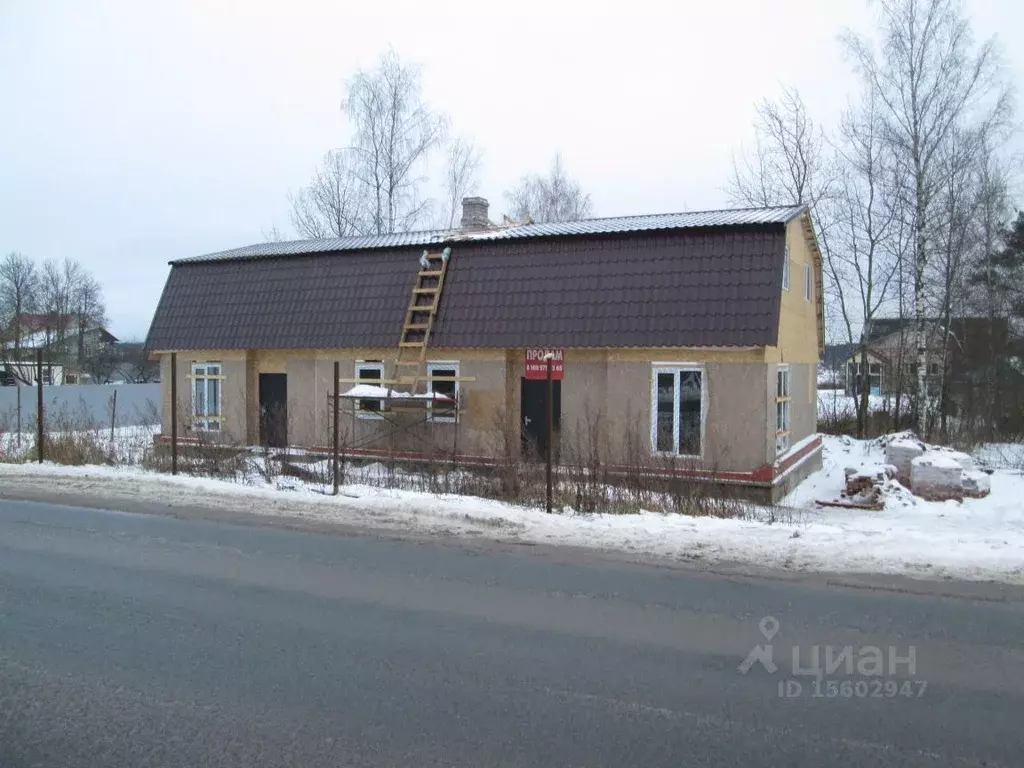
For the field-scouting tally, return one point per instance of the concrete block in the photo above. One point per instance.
(936, 477)
(976, 484)
(901, 453)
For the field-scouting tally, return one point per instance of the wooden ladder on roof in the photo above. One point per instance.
(419, 319)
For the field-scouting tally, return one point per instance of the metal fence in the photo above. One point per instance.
(134, 405)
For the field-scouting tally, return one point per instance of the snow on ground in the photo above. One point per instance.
(1002, 455)
(975, 539)
(127, 445)
(836, 404)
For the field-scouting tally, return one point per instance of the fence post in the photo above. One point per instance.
(174, 413)
(113, 417)
(19, 417)
(39, 404)
(335, 424)
(550, 410)
(455, 435)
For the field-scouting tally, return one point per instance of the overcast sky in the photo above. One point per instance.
(140, 131)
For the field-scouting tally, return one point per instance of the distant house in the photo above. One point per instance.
(690, 338)
(63, 342)
(832, 368)
(967, 346)
(25, 374)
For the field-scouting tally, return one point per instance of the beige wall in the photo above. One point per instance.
(310, 383)
(738, 416)
(804, 390)
(798, 319)
(803, 409)
(606, 390)
(233, 393)
(735, 428)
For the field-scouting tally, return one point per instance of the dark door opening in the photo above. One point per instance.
(274, 409)
(533, 400)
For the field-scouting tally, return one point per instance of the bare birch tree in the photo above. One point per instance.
(790, 163)
(460, 177)
(57, 281)
(554, 197)
(334, 203)
(89, 312)
(862, 260)
(930, 80)
(395, 132)
(988, 297)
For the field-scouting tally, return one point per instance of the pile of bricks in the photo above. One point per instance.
(865, 486)
(936, 474)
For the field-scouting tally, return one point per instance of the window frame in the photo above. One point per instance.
(378, 367)
(808, 277)
(443, 365)
(676, 369)
(783, 398)
(880, 373)
(207, 421)
(786, 269)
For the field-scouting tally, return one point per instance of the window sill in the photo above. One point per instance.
(369, 416)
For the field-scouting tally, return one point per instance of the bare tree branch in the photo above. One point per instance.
(554, 197)
(334, 203)
(460, 179)
(395, 132)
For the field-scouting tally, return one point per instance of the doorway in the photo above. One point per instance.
(274, 409)
(533, 400)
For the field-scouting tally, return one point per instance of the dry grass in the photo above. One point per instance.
(597, 473)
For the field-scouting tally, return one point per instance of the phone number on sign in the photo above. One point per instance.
(853, 689)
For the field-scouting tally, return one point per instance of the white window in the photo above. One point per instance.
(678, 406)
(370, 372)
(785, 270)
(437, 372)
(206, 393)
(808, 277)
(874, 377)
(783, 404)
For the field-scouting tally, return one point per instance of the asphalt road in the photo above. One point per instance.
(142, 640)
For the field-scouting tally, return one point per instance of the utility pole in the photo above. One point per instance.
(39, 404)
(334, 446)
(550, 429)
(174, 413)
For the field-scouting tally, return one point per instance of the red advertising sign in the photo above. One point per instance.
(537, 364)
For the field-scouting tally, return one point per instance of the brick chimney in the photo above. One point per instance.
(474, 214)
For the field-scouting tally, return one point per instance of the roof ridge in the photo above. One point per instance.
(414, 232)
(688, 212)
(712, 218)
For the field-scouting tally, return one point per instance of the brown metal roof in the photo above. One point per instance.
(712, 286)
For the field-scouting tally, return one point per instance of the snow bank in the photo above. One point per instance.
(974, 539)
